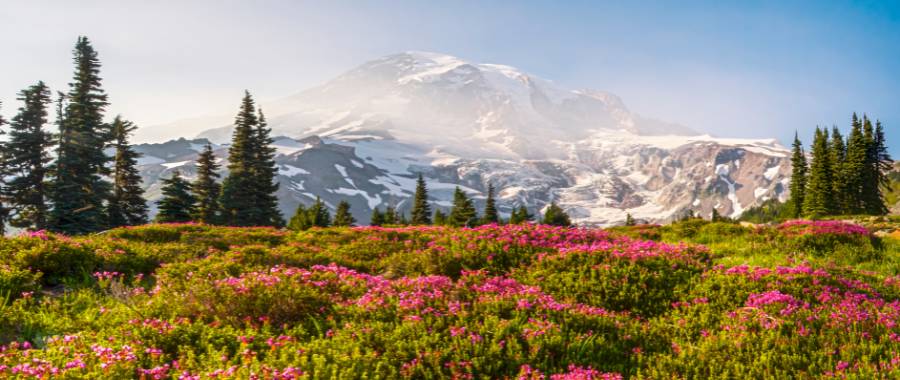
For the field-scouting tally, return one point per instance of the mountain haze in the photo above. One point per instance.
(364, 136)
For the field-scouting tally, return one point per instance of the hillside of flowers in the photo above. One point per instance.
(689, 300)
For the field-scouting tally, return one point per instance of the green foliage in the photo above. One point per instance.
(770, 210)
(78, 189)
(248, 193)
(342, 215)
(845, 177)
(799, 170)
(520, 215)
(377, 217)
(177, 203)
(440, 219)
(316, 215)
(127, 206)
(556, 216)
(490, 214)
(819, 198)
(421, 210)
(463, 212)
(439, 302)
(26, 158)
(206, 189)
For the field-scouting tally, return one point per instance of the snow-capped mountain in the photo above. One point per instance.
(364, 135)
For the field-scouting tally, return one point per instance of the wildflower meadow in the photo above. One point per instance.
(689, 300)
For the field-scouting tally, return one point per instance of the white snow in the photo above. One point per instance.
(770, 173)
(290, 170)
(722, 169)
(373, 201)
(170, 165)
(759, 192)
(341, 169)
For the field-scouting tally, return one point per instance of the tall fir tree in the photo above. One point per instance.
(26, 158)
(463, 213)
(883, 160)
(421, 210)
(342, 215)
(556, 216)
(79, 188)
(798, 178)
(872, 199)
(819, 200)
(629, 220)
(853, 168)
(265, 172)
(248, 197)
(319, 214)
(838, 154)
(177, 203)
(127, 206)
(390, 215)
(206, 188)
(377, 218)
(490, 214)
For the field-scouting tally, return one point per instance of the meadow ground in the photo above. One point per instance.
(689, 300)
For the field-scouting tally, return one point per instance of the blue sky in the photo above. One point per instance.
(742, 69)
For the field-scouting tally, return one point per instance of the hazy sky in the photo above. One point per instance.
(743, 69)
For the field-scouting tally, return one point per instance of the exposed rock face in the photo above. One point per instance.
(365, 135)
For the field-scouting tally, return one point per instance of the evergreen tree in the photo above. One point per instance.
(377, 218)
(248, 197)
(127, 206)
(390, 215)
(853, 168)
(873, 202)
(421, 210)
(265, 172)
(490, 208)
(26, 159)
(556, 216)
(883, 161)
(838, 154)
(818, 201)
(301, 220)
(629, 220)
(177, 203)
(342, 215)
(319, 214)
(463, 211)
(520, 215)
(798, 178)
(715, 217)
(79, 190)
(402, 219)
(206, 189)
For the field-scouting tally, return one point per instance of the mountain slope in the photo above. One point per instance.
(364, 135)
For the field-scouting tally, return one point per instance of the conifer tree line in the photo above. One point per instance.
(65, 181)
(246, 197)
(461, 214)
(840, 176)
